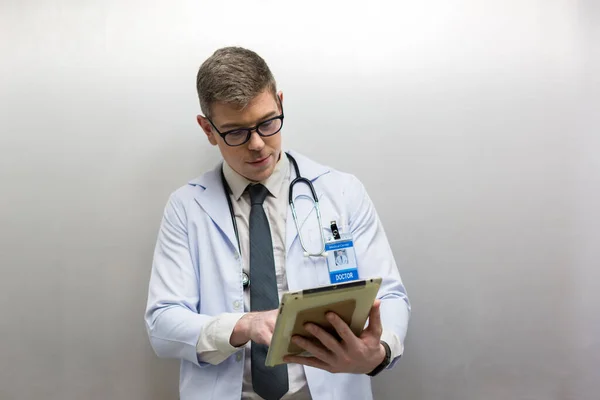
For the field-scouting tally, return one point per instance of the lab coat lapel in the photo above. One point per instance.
(212, 199)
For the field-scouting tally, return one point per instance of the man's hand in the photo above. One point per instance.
(255, 326)
(359, 355)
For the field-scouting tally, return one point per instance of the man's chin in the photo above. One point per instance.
(260, 174)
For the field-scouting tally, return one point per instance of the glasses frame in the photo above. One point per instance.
(250, 130)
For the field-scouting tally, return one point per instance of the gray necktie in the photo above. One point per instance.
(269, 383)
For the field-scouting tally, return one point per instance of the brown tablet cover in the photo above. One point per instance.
(345, 309)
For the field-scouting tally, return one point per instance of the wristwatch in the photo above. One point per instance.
(386, 360)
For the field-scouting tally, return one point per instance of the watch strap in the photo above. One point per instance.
(386, 360)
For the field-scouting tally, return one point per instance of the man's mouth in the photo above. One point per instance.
(260, 160)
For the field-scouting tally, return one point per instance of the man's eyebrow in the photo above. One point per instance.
(233, 125)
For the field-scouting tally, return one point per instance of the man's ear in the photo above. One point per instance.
(280, 95)
(207, 128)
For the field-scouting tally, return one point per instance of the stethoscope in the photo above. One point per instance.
(315, 199)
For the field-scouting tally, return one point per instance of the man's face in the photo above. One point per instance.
(255, 159)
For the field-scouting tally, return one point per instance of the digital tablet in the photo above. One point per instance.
(352, 301)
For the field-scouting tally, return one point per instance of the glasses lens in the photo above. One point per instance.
(270, 127)
(237, 137)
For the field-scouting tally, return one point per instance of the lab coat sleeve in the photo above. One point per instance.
(172, 318)
(375, 259)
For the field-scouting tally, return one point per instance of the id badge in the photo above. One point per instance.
(341, 260)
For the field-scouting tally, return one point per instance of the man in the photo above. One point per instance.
(340, 257)
(228, 248)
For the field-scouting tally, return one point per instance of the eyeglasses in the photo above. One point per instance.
(239, 136)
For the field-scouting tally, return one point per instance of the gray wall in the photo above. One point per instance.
(474, 125)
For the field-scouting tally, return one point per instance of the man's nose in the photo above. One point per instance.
(256, 142)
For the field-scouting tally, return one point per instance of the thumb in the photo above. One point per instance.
(375, 319)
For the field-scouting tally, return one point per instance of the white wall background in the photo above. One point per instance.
(474, 125)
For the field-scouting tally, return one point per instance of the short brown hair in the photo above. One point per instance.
(233, 75)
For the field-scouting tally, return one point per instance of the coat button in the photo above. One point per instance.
(237, 305)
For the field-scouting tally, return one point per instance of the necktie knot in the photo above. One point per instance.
(258, 194)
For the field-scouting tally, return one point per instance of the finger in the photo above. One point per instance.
(262, 339)
(265, 337)
(271, 318)
(269, 326)
(273, 315)
(314, 349)
(326, 339)
(308, 361)
(342, 329)
(375, 319)
(268, 339)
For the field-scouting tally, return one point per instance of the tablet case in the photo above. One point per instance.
(345, 309)
(352, 301)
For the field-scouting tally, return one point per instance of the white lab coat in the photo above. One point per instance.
(197, 273)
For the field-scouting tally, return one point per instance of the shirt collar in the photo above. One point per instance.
(238, 184)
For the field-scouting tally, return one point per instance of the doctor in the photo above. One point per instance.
(341, 258)
(228, 248)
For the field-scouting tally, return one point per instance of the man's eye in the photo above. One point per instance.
(238, 132)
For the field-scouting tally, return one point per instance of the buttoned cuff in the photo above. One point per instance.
(392, 340)
(213, 345)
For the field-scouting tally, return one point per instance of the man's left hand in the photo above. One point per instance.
(353, 354)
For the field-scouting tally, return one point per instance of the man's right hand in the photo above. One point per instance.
(255, 326)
